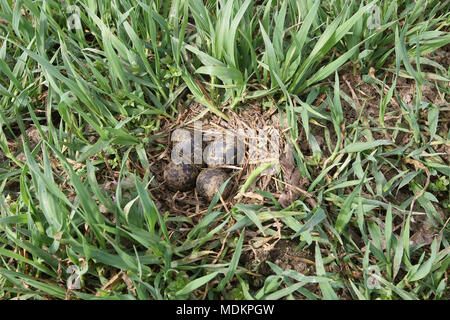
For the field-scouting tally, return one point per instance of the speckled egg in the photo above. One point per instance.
(210, 180)
(180, 177)
(221, 152)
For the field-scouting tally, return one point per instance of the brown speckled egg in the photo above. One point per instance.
(209, 182)
(221, 152)
(180, 177)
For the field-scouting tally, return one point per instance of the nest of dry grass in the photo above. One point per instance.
(284, 183)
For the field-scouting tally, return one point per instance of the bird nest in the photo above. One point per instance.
(264, 138)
